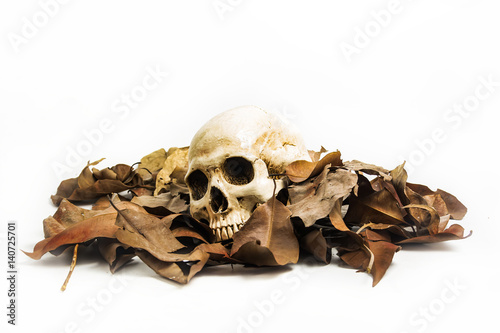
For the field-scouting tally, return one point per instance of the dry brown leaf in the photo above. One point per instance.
(174, 169)
(454, 232)
(455, 207)
(353, 250)
(383, 253)
(368, 168)
(218, 254)
(163, 204)
(105, 202)
(316, 199)
(373, 256)
(64, 190)
(433, 220)
(71, 225)
(336, 216)
(437, 202)
(399, 177)
(181, 270)
(115, 253)
(299, 171)
(157, 245)
(267, 238)
(88, 186)
(316, 155)
(376, 235)
(68, 214)
(397, 231)
(97, 226)
(315, 243)
(378, 207)
(152, 163)
(147, 232)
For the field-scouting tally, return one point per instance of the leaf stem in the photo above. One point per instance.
(71, 268)
(364, 227)
(372, 259)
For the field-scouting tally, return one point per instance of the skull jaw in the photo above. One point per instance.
(224, 226)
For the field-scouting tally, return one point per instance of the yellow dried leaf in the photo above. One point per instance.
(152, 162)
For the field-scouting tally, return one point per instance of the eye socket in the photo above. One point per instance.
(198, 184)
(238, 171)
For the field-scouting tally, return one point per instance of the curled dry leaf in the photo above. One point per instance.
(77, 225)
(219, 254)
(432, 223)
(182, 224)
(352, 250)
(378, 207)
(115, 253)
(157, 243)
(368, 252)
(163, 204)
(105, 202)
(181, 270)
(454, 232)
(315, 243)
(98, 226)
(152, 163)
(299, 171)
(380, 214)
(383, 252)
(398, 182)
(370, 169)
(267, 238)
(456, 209)
(336, 218)
(147, 232)
(315, 199)
(316, 155)
(173, 170)
(66, 215)
(97, 183)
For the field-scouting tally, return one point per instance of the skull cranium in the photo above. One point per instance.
(230, 161)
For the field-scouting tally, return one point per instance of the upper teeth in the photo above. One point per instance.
(225, 232)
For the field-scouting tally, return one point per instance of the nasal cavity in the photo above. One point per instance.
(218, 201)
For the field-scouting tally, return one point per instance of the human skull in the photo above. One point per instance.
(230, 161)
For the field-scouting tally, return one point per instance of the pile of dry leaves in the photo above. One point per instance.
(363, 211)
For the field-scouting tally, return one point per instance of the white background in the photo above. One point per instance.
(64, 74)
